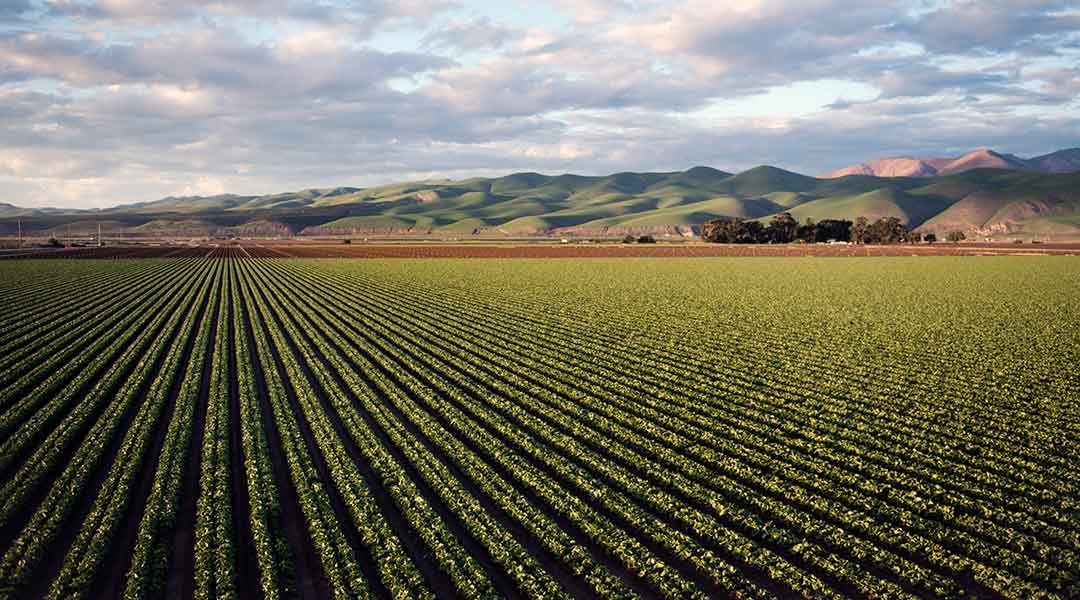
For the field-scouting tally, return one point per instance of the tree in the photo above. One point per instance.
(807, 232)
(930, 238)
(955, 236)
(753, 233)
(893, 230)
(860, 230)
(782, 229)
(731, 230)
(629, 239)
(832, 229)
(886, 230)
(876, 232)
(646, 239)
(914, 237)
(718, 231)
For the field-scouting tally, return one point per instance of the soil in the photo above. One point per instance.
(310, 580)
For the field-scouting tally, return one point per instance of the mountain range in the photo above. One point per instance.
(1062, 161)
(982, 201)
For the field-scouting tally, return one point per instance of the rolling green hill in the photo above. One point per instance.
(983, 202)
(883, 202)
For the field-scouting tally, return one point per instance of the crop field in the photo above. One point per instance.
(237, 427)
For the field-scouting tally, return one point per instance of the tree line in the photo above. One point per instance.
(784, 229)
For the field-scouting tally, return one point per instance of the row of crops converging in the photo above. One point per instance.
(263, 429)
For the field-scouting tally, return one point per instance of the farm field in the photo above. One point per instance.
(754, 427)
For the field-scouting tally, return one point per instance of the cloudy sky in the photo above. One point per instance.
(111, 101)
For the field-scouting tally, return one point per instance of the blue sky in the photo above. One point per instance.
(111, 101)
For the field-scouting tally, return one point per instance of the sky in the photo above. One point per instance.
(113, 101)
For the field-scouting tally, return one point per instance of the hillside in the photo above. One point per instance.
(983, 202)
(1062, 161)
(1025, 204)
(883, 202)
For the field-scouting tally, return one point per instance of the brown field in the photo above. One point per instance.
(534, 250)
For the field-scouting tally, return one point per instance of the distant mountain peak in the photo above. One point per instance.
(984, 158)
(1062, 161)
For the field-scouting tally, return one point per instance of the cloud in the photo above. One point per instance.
(751, 44)
(470, 35)
(311, 61)
(363, 15)
(924, 80)
(14, 11)
(591, 12)
(118, 100)
(1057, 85)
(990, 26)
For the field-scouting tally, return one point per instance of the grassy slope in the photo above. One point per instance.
(691, 214)
(884, 202)
(1060, 225)
(1000, 201)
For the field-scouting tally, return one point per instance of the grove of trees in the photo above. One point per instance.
(784, 229)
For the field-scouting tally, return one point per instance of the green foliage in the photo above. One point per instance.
(726, 230)
(886, 230)
(478, 428)
(832, 230)
(782, 229)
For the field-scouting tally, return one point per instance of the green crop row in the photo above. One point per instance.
(244, 428)
(67, 489)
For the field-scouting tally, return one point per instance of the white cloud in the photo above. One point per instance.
(121, 100)
(470, 35)
(558, 151)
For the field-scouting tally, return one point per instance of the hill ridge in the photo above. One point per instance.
(982, 201)
(1060, 161)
